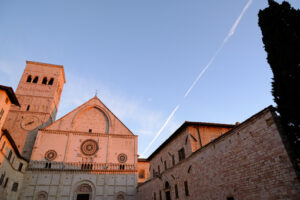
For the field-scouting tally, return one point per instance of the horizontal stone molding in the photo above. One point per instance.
(81, 166)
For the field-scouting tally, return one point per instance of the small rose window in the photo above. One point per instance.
(50, 155)
(122, 158)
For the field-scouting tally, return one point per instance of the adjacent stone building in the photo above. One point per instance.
(12, 168)
(7, 98)
(248, 162)
(12, 164)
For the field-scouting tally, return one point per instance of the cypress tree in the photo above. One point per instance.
(280, 26)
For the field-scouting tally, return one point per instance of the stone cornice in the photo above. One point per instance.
(85, 133)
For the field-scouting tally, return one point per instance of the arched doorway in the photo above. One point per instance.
(83, 192)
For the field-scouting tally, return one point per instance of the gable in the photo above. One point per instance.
(92, 116)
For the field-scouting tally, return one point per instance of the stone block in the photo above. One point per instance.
(53, 190)
(100, 179)
(55, 179)
(120, 179)
(100, 190)
(44, 179)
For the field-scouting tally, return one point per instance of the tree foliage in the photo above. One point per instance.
(280, 26)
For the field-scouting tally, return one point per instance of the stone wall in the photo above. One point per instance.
(62, 185)
(249, 162)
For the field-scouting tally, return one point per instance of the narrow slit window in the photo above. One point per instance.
(176, 192)
(44, 81)
(29, 79)
(2, 178)
(3, 145)
(51, 81)
(1, 113)
(165, 163)
(28, 107)
(5, 184)
(181, 154)
(186, 188)
(90, 130)
(9, 155)
(173, 160)
(36, 79)
(20, 167)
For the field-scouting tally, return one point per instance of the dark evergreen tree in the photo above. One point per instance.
(280, 26)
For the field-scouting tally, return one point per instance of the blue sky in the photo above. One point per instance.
(142, 56)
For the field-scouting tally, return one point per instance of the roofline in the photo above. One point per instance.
(185, 124)
(11, 95)
(143, 160)
(13, 144)
(49, 65)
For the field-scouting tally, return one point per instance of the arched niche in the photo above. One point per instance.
(91, 119)
(120, 196)
(42, 195)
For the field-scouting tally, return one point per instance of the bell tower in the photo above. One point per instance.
(38, 92)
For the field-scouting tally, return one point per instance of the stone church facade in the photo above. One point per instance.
(87, 154)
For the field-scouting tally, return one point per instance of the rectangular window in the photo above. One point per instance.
(176, 191)
(15, 187)
(186, 188)
(160, 197)
(5, 184)
(3, 145)
(166, 167)
(154, 195)
(230, 198)
(9, 155)
(181, 154)
(20, 167)
(1, 113)
(173, 160)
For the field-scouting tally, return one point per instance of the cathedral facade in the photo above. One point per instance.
(87, 154)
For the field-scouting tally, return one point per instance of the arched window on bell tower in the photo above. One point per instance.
(29, 79)
(35, 80)
(45, 81)
(51, 81)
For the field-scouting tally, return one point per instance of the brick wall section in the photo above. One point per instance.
(249, 162)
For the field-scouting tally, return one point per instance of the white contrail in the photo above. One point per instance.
(228, 36)
(161, 129)
(231, 32)
(236, 23)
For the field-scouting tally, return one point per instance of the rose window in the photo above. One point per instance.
(89, 147)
